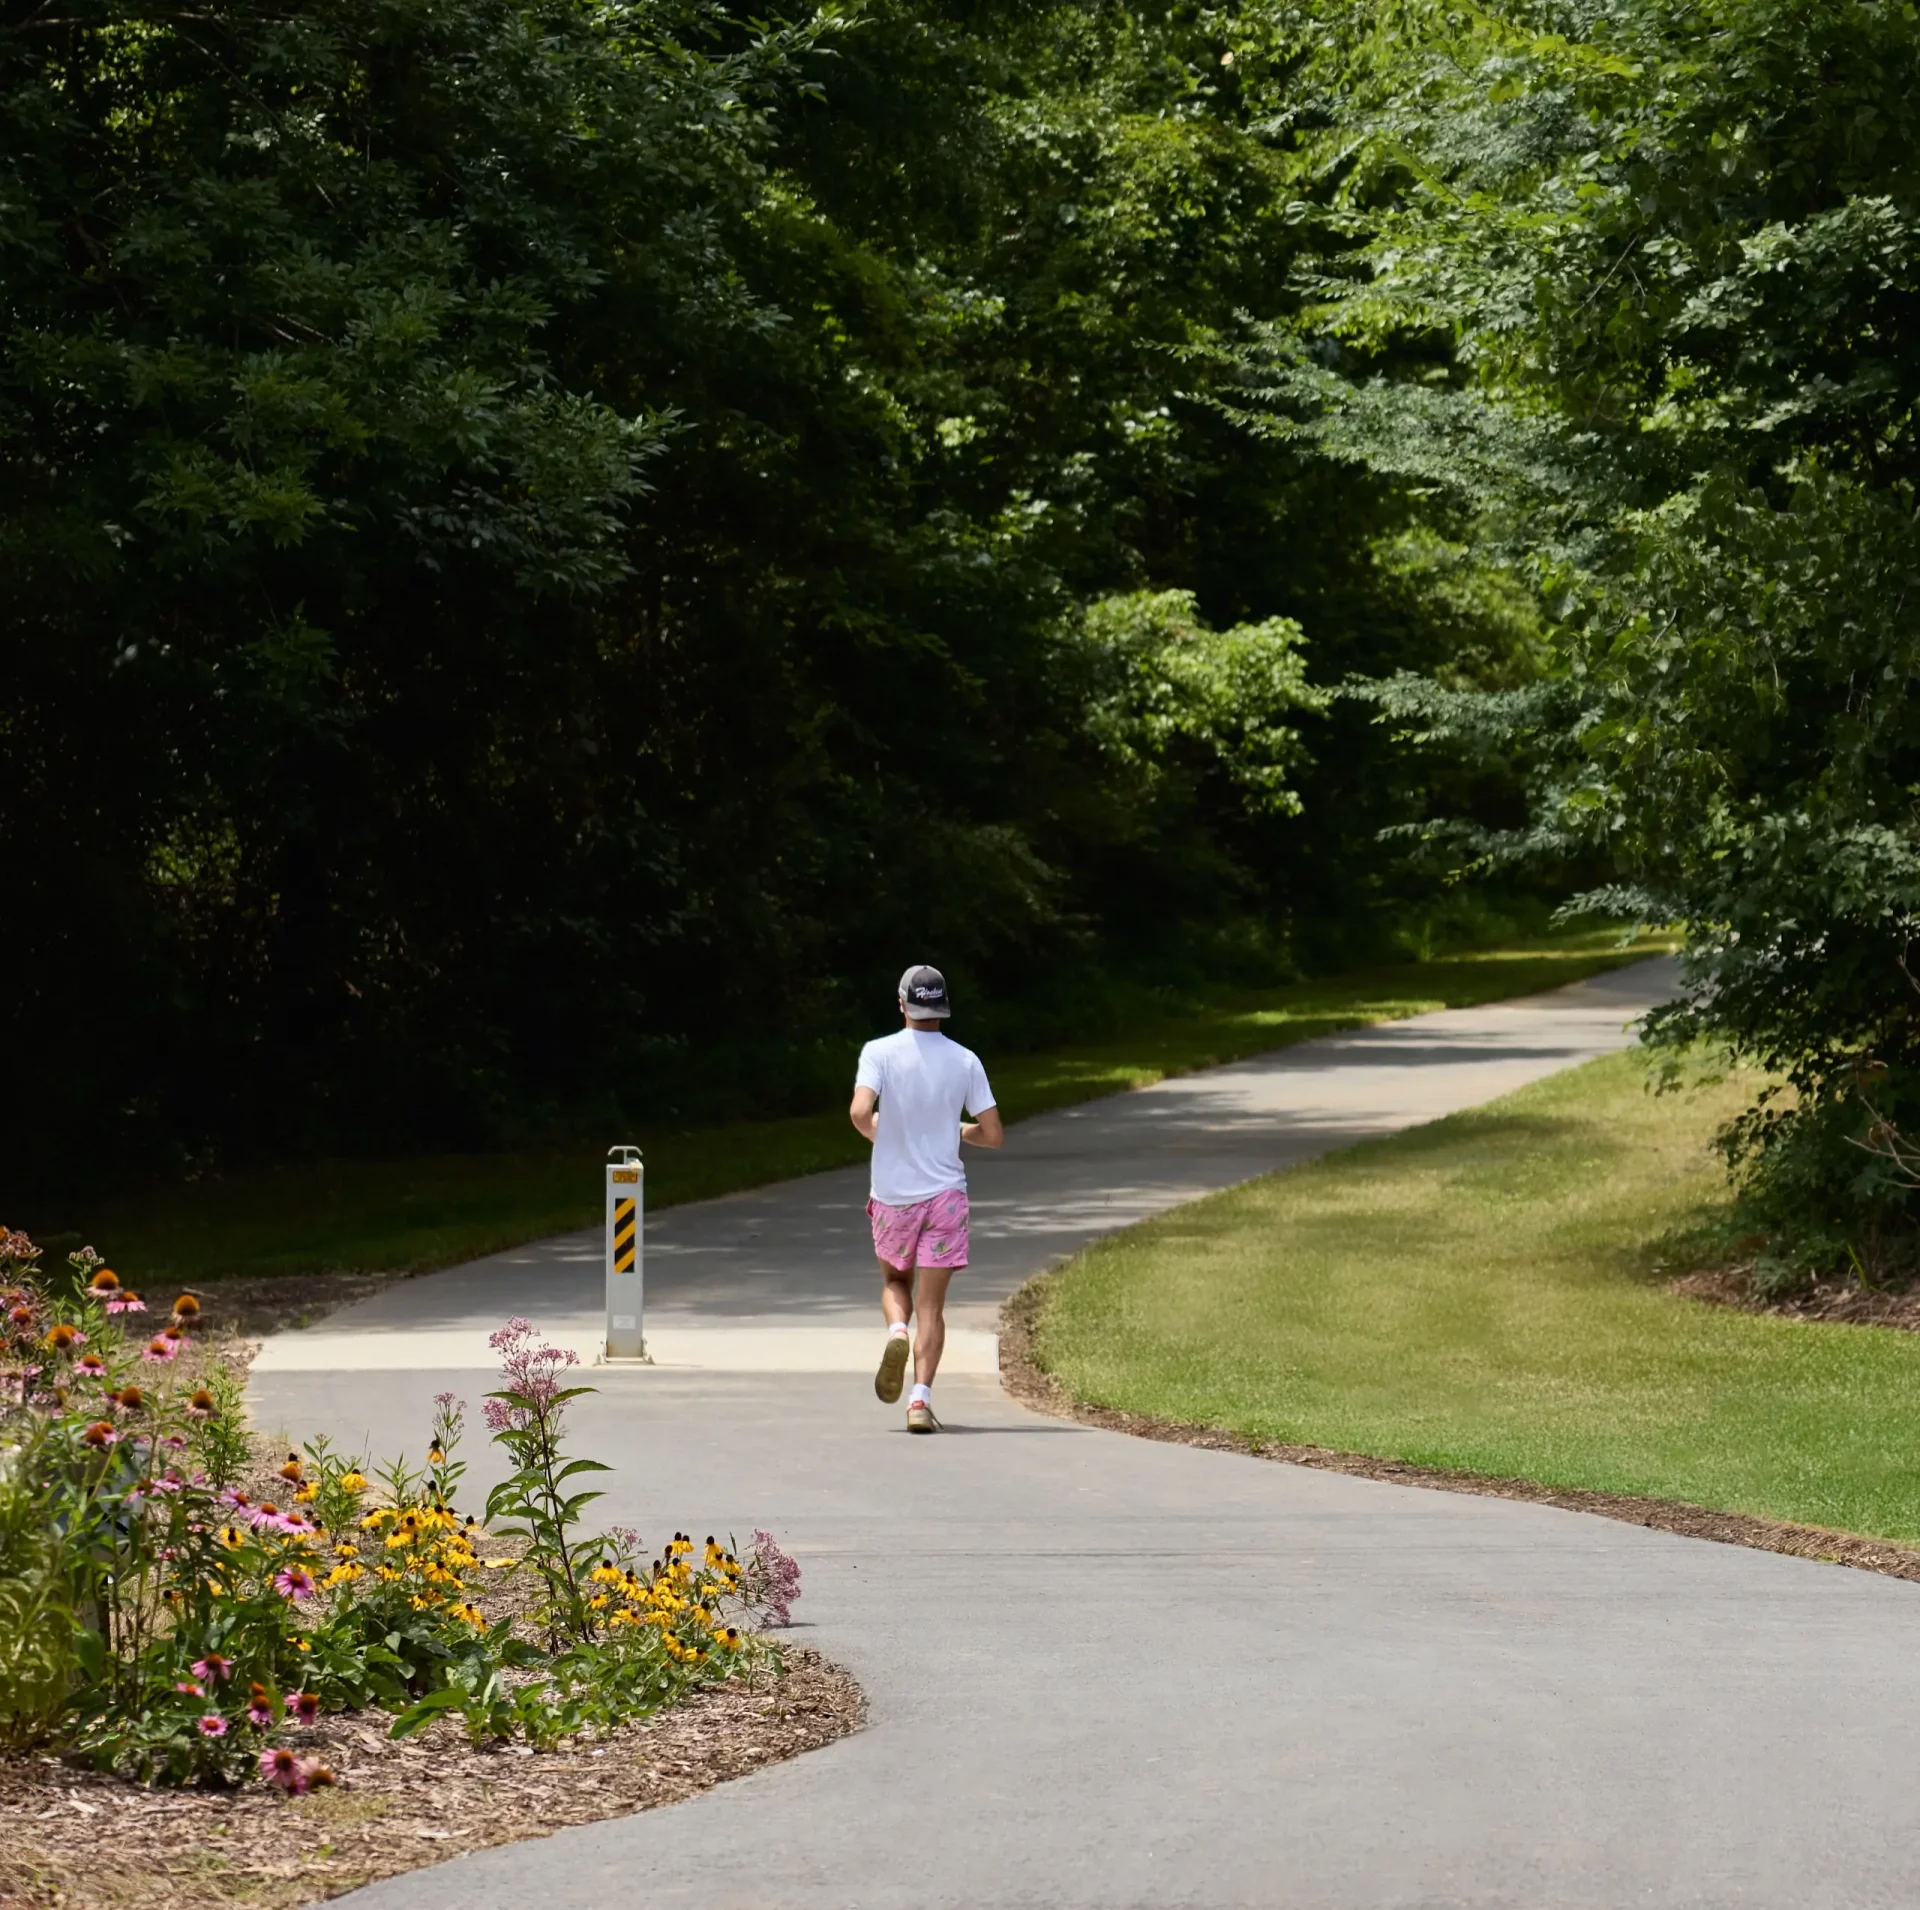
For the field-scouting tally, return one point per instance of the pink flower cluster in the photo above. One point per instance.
(290, 1772)
(529, 1373)
(773, 1579)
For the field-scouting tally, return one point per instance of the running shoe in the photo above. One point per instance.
(893, 1369)
(920, 1417)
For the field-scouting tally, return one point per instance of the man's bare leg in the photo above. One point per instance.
(931, 1340)
(896, 1294)
(896, 1302)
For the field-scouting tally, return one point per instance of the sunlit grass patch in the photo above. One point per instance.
(1485, 1294)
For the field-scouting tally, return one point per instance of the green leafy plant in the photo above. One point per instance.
(526, 1416)
(39, 1659)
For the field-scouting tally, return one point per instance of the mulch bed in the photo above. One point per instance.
(1027, 1382)
(80, 1841)
(253, 1307)
(1831, 1302)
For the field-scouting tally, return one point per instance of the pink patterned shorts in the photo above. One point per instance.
(930, 1233)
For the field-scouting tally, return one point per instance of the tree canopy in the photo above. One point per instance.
(1664, 259)
(532, 523)
(531, 526)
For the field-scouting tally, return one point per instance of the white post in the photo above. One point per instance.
(626, 1255)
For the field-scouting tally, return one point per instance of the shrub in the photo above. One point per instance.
(158, 1620)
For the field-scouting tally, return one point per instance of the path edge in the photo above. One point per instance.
(1027, 1382)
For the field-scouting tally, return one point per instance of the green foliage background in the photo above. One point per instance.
(1633, 286)
(538, 531)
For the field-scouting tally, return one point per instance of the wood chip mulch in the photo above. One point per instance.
(253, 1306)
(1830, 1303)
(80, 1841)
(1027, 1382)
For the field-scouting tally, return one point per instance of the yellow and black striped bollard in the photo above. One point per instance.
(626, 1255)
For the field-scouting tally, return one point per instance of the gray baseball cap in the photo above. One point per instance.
(924, 991)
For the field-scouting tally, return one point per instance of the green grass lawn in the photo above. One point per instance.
(431, 1211)
(1482, 1295)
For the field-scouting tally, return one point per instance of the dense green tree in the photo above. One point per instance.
(1666, 262)
(530, 523)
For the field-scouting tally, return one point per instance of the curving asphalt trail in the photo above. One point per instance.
(1107, 1674)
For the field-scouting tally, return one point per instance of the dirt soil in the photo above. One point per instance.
(1028, 1383)
(252, 1308)
(1832, 1302)
(79, 1841)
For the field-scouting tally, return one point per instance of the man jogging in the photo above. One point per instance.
(910, 1095)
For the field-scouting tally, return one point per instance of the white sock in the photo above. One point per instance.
(920, 1396)
(897, 1331)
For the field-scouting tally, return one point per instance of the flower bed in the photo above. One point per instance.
(174, 1613)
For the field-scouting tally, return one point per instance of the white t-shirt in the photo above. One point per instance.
(925, 1082)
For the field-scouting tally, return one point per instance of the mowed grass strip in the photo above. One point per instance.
(436, 1210)
(1482, 1295)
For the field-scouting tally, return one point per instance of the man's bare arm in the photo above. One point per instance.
(986, 1131)
(865, 1114)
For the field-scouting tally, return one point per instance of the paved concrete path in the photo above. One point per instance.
(1108, 1674)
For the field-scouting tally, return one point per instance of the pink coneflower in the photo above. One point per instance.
(100, 1434)
(282, 1769)
(190, 1688)
(201, 1404)
(269, 1518)
(304, 1706)
(89, 1366)
(63, 1338)
(261, 1709)
(213, 1725)
(160, 1351)
(105, 1281)
(213, 1668)
(126, 1301)
(295, 1582)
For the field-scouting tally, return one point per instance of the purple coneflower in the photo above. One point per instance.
(126, 1301)
(295, 1582)
(190, 1688)
(159, 1352)
(282, 1769)
(304, 1706)
(213, 1668)
(213, 1725)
